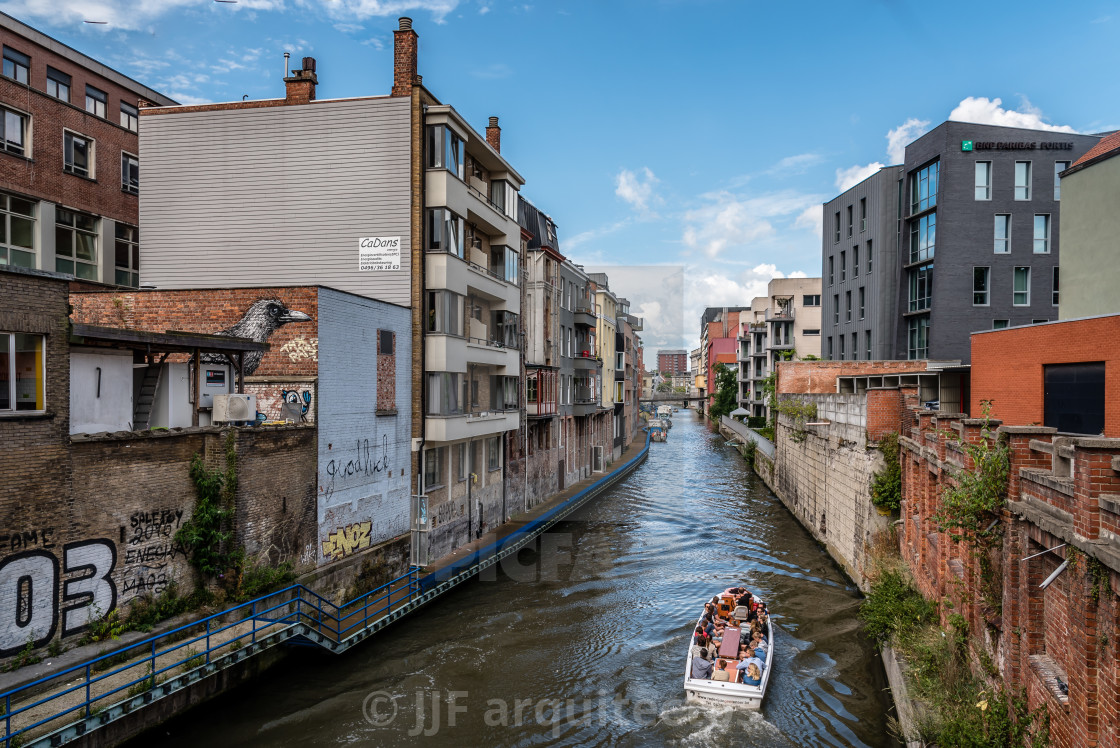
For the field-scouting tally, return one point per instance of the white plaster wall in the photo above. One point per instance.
(110, 409)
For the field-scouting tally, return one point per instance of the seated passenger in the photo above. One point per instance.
(701, 665)
(753, 657)
(722, 673)
(753, 676)
(701, 637)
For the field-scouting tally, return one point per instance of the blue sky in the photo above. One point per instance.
(690, 144)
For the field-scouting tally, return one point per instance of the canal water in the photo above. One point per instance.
(582, 642)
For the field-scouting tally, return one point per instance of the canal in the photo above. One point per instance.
(583, 642)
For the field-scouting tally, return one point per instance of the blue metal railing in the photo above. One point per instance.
(92, 690)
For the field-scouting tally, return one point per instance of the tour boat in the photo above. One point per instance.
(657, 431)
(726, 692)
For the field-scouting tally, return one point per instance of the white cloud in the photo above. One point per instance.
(727, 220)
(375, 42)
(811, 218)
(578, 240)
(902, 136)
(984, 111)
(493, 71)
(636, 189)
(853, 175)
(348, 28)
(791, 165)
(188, 99)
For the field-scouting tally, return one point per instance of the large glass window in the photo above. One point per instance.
(445, 231)
(504, 328)
(983, 180)
(921, 287)
(77, 156)
(445, 393)
(923, 187)
(981, 286)
(1042, 234)
(22, 369)
(130, 173)
(16, 65)
(75, 244)
(17, 231)
(130, 117)
(13, 137)
(96, 101)
(1054, 292)
(1003, 234)
(513, 266)
(503, 393)
(1059, 167)
(923, 238)
(917, 337)
(433, 466)
(58, 84)
(445, 313)
(504, 197)
(445, 150)
(1022, 180)
(127, 265)
(1022, 289)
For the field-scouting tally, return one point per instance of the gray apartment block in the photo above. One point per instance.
(859, 272)
(976, 211)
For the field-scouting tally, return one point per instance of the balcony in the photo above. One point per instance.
(469, 425)
(450, 272)
(584, 314)
(785, 345)
(454, 353)
(779, 315)
(585, 361)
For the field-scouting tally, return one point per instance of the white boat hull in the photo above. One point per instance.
(702, 690)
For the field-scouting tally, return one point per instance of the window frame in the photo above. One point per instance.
(869, 256)
(74, 229)
(843, 265)
(128, 185)
(915, 328)
(1055, 276)
(23, 150)
(987, 286)
(19, 61)
(921, 230)
(986, 186)
(1046, 239)
(493, 453)
(851, 212)
(1059, 167)
(132, 244)
(837, 239)
(1006, 239)
(95, 96)
(928, 175)
(6, 216)
(862, 214)
(56, 77)
(1026, 188)
(1014, 282)
(996, 324)
(862, 302)
(68, 136)
(130, 120)
(848, 306)
(855, 261)
(14, 411)
(835, 308)
(437, 463)
(919, 285)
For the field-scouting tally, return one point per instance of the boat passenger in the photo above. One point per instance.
(753, 676)
(722, 673)
(754, 658)
(760, 653)
(701, 666)
(701, 637)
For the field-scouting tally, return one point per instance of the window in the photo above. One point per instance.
(445, 393)
(810, 332)
(512, 266)
(503, 393)
(130, 173)
(1042, 233)
(867, 343)
(461, 461)
(918, 337)
(836, 309)
(58, 84)
(923, 187)
(923, 238)
(868, 255)
(863, 214)
(831, 258)
(433, 467)
(130, 117)
(127, 267)
(75, 243)
(17, 231)
(445, 313)
(1054, 297)
(96, 101)
(77, 156)
(16, 65)
(14, 134)
(1022, 180)
(1003, 234)
(837, 227)
(981, 286)
(848, 305)
(493, 453)
(983, 180)
(1059, 167)
(445, 232)
(811, 300)
(855, 346)
(849, 220)
(503, 328)
(1039, 321)
(445, 150)
(862, 302)
(841, 338)
(830, 347)
(1022, 287)
(1000, 324)
(618, 394)
(855, 261)
(843, 266)
(504, 197)
(921, 287)
(22, 364)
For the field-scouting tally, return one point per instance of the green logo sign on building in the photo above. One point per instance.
(966, 145)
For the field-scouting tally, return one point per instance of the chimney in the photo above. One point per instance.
(494, 135)
(404, 59)
(299, 87)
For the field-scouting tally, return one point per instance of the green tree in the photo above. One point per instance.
(726, 390)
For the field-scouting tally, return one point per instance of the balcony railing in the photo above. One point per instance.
(779, 314)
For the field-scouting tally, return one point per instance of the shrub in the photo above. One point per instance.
(886, 485)
(894, 607)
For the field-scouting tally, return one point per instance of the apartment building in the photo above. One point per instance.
(860, 269)
(784, 325)
(584, 373)
(420, 210)
(69, 159)
(719, 342)
(671, 362)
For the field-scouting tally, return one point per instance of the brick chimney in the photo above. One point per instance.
(404, 59)
(494, 135)
(299, 87)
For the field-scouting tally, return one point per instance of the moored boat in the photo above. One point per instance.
(732, 691)
(657, 431)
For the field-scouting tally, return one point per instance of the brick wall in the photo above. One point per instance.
(820, 376)
(1007, 366)
(884, 412)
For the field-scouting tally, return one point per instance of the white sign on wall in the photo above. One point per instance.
(379, 253)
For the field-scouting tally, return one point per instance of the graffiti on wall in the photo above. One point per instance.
(301, 349)
(361, 462)
(346, 540)
(261, 319)
(150, 552)
(295, 403)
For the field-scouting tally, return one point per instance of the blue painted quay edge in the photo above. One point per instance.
(95, 693)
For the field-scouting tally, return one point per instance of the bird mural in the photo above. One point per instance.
(261, 319)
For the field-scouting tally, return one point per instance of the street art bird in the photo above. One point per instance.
(262, 319)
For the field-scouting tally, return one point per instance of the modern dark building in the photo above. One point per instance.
(860, 271)
(984, 200)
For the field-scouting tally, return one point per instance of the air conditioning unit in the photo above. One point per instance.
(234, 408)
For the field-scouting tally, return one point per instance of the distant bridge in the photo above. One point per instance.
(673, 397)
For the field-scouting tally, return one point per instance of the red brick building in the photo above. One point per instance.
(1054, 374)
(69, 159)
